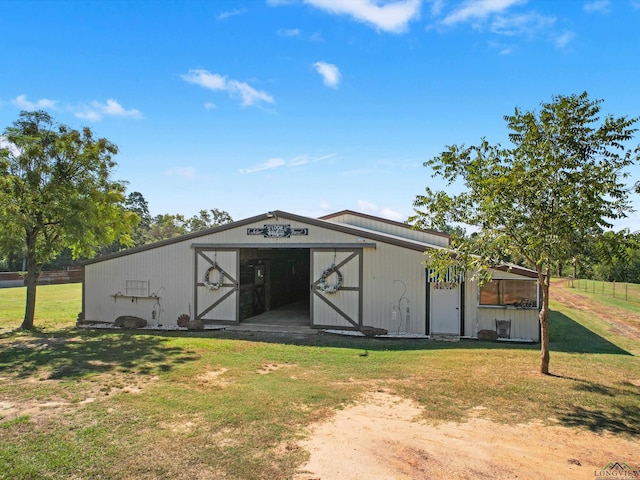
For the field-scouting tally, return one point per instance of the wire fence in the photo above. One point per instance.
(624, 291)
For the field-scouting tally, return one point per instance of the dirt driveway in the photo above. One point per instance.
(383, 438)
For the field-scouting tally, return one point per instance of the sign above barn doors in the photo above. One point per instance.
(336, 288)
(277, 231)
(216, 285)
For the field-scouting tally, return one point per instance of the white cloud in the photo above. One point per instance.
(299, 160)
(478, 10)
(564, 39)
(289, 32)
(231, 13)
(305, 159)
(368, 207)
(21, 102)
(392, 17)
(249, 95)
(4, 143)
(96, 111)
(213, 81)
(527, 24)
(436, 7)
(114, 108)
(277, 3)
(268, 165)
(209, 105)
(392, 215)
(205, 79)
(330, 73)
(316, 37)
(184, 172)
(498, 17)
(279, 162)
(601, 6)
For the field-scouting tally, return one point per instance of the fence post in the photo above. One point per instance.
(614, 289)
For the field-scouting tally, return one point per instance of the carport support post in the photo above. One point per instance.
(267, 284)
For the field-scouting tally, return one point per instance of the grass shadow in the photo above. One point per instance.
(69, 354)
(621, 415)
(569, 336)
(624, 419)
(320, 339)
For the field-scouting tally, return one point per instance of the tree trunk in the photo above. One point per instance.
(545, 279)
(30, 282)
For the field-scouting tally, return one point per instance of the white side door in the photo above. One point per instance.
(445, 308)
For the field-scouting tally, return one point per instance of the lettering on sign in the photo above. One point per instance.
(277, 231)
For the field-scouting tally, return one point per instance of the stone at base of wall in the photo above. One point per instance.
(130, 321)
(487, 335)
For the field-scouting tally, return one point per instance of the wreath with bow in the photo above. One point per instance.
(213, 285)
(327, 287)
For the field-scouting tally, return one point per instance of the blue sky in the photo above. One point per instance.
(307, 106)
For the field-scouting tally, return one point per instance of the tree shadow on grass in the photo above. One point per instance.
(619, 415)
(623, 419)
(567, 335)
(72, 354)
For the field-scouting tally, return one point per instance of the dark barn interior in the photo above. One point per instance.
(274, 279)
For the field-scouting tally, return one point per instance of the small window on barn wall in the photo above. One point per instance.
(511, 293)
(137, 288)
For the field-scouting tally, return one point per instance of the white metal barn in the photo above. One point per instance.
(342, 271)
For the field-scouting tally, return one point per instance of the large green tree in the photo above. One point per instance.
(563, 179)
(56, 191)
(208, 219)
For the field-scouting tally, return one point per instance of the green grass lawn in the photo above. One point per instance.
(57, 306)
(115, 404)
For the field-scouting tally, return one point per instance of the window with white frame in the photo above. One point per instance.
(137, 288)
(507, 292)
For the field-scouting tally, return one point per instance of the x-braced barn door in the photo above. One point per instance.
(336, 288)
(216, 285)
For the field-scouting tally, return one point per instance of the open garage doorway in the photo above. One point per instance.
(274, 286)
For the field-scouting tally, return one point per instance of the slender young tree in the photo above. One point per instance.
(56, 191)
(562, 180)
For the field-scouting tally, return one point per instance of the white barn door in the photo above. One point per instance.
(217, 285)
(445, 308)
(336, 288)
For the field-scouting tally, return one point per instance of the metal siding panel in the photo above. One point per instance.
(239, 235)
(169, 271)
(381, 267)
(524, 323)
(372, 224)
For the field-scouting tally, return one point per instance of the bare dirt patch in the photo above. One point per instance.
(13, 406)
(212, 378)
(272, 367)
(384, 437)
